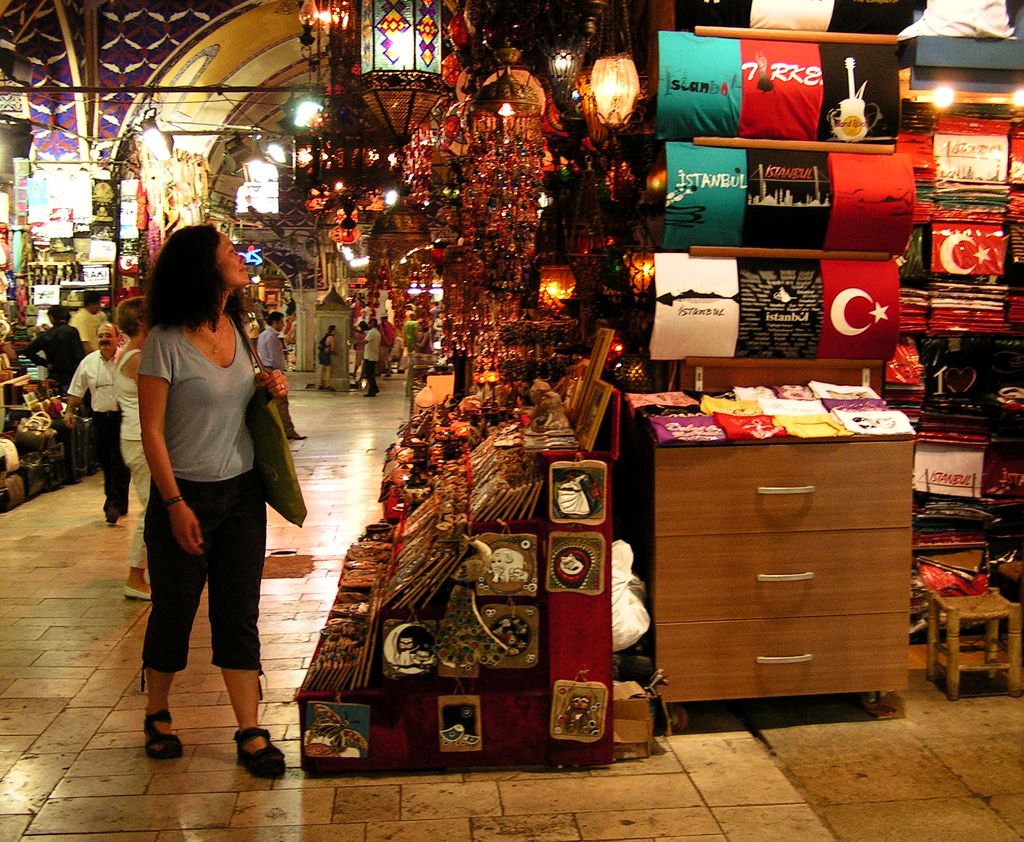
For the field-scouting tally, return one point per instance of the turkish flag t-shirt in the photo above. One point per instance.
(872, 202)
(782, 90)
(966, 248)
(861, 317)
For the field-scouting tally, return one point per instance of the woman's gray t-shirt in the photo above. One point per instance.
(204, 427)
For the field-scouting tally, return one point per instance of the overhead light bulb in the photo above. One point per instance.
(944, 96)
(159, 144)
(277, 153)
(1018, 97)
(507, 110)
(306, 111)
(347, 253)
(391, 198)
(309, 13)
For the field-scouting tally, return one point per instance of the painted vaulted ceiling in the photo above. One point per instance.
(152, 43)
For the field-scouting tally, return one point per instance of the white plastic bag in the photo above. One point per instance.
(629, 614)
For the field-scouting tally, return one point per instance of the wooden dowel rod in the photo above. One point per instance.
(786, 254)
(797, 145)
(793, 35)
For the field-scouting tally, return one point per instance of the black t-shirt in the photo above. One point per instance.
(62, 349)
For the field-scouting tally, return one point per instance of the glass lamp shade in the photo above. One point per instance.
(615, 85)
(564, 65)
(400, 62)
(557, 285)
(640, 265)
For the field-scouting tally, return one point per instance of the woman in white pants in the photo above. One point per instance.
(130, 318)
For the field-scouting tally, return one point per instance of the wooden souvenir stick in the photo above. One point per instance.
(786, 254)
(797, 145)
(793, 35)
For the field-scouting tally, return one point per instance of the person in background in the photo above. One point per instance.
(207, 516)
(270, 347)
(359, 346)
(59, 348)
(131, 321)
(371, 354)
(327, 348)
(87, 320)
(410, 331)
(95, 377)
(387, 344)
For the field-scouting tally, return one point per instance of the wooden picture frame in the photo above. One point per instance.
(595, 368)
(592, 414)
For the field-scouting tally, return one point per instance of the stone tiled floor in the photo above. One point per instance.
(71, 754)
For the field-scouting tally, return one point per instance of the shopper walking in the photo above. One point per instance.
(387, 345)
(371, 355)
(270, 347)
(59, 348)
(207, 516)
(95, 377)
(87, 320)
(131, 320)
(359, 346)
(326, 349)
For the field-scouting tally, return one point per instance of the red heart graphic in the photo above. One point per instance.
(960, 379)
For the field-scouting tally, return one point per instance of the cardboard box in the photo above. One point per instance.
(634, 723)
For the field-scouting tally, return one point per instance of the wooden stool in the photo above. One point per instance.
(989, 609)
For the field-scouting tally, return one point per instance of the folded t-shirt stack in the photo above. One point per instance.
(816, 410)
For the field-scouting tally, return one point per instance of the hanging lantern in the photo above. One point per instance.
(564, 62)
(640, 266)
(557, 285)
(615, 85)
(401, 62)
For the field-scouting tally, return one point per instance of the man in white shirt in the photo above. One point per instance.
(270, 347)
(95, 377)
(371, 354)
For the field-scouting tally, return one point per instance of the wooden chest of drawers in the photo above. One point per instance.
(780, 569)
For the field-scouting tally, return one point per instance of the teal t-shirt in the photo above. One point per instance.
(700, 86)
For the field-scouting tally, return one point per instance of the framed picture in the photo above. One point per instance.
(573, 389)
(595, 367)
(458, 723)
(577, 491)
(591, 414)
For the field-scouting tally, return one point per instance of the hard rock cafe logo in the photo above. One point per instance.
(854, 118)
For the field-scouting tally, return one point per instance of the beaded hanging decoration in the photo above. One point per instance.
(463, 641)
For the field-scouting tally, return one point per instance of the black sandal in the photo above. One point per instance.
(160, 746)
(267, 762)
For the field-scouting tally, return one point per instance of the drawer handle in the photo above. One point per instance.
(785, 659)
(786, 489)
(785, 577)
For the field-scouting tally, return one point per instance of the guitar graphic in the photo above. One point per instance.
(851, 121)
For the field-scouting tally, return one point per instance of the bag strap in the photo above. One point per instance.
(257, 363)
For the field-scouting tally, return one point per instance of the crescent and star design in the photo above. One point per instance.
(948, 258)
(838, 311)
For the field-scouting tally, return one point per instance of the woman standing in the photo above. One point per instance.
(131, 321)
(325, 350)
(207, 517)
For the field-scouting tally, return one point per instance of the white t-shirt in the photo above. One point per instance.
(95, 374)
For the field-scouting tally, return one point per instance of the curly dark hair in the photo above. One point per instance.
(186, 286)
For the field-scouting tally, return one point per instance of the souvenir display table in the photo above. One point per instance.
(456, 641)
(779, 566)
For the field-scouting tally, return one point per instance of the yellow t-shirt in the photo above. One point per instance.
(710, 405)
(811, 426)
